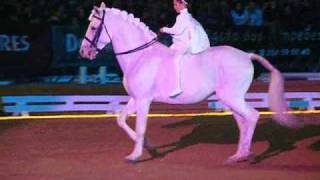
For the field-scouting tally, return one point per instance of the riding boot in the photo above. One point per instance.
(177, 91)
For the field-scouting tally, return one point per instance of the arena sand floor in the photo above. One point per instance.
(191, 148)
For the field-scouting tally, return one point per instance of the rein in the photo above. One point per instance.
(94, 42)
(144, 46)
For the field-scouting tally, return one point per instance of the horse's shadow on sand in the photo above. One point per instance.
(222, 130)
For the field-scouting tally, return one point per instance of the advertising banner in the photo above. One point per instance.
(24, 50)
(66, 42)
(35, 50)
(290, 51)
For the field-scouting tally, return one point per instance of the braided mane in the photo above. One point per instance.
(133, 20)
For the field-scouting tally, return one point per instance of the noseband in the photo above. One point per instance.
(95, 40)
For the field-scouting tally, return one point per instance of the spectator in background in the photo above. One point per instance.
(59, 15)
(209, 13)
(118, 4)
(203, 12)
(224, 14)
(276, 13)
(40, 17)
(82, 16)
(271, 12)
(303, 9)
(255, 15)
(239, 15)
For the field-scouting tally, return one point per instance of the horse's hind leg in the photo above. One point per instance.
(246, 118)
(246, 127)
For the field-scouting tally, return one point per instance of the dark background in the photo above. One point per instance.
(39, 37)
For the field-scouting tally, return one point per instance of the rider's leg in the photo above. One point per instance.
(177, 71)
(181, 50)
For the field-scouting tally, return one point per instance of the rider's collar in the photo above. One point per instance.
(185, 10)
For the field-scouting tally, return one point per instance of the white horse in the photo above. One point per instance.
(147, 67)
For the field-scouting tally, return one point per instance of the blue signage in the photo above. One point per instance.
(66, 42)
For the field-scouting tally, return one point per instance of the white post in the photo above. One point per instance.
(103, 74)
(83, 71)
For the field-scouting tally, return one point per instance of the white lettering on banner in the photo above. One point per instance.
(272, 52)
(14, 43)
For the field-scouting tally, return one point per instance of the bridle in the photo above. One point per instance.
(102, 26)
(95, 40)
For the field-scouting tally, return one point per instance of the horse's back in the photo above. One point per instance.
(198, 73)
(235, 70)
(230, 55)
(201, 74)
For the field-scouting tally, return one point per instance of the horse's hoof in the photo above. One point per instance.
(230, 162)
(234, 160)
(131, 159)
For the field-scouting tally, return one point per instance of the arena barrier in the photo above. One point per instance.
(299, 100)
(265, 77)
(23, 105)
(26, 104)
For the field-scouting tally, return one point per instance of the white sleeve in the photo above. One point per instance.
(179, 26)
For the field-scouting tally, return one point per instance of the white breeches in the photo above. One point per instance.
(180, 51)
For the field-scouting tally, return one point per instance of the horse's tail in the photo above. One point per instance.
(277, 101)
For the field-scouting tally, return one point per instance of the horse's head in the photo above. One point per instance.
(97, 36)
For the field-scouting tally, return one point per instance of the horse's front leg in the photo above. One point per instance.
(142, 110)
(122, 118)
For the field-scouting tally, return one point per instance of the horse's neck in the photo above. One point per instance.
(126, 38)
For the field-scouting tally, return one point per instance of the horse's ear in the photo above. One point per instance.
(95, 8)
(102, 5)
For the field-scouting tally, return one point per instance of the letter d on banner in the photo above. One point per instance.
(71, 41)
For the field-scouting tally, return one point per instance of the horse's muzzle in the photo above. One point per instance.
(88, 53)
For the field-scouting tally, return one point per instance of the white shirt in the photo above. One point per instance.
(188, 33)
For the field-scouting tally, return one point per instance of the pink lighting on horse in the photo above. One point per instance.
(148, 72)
